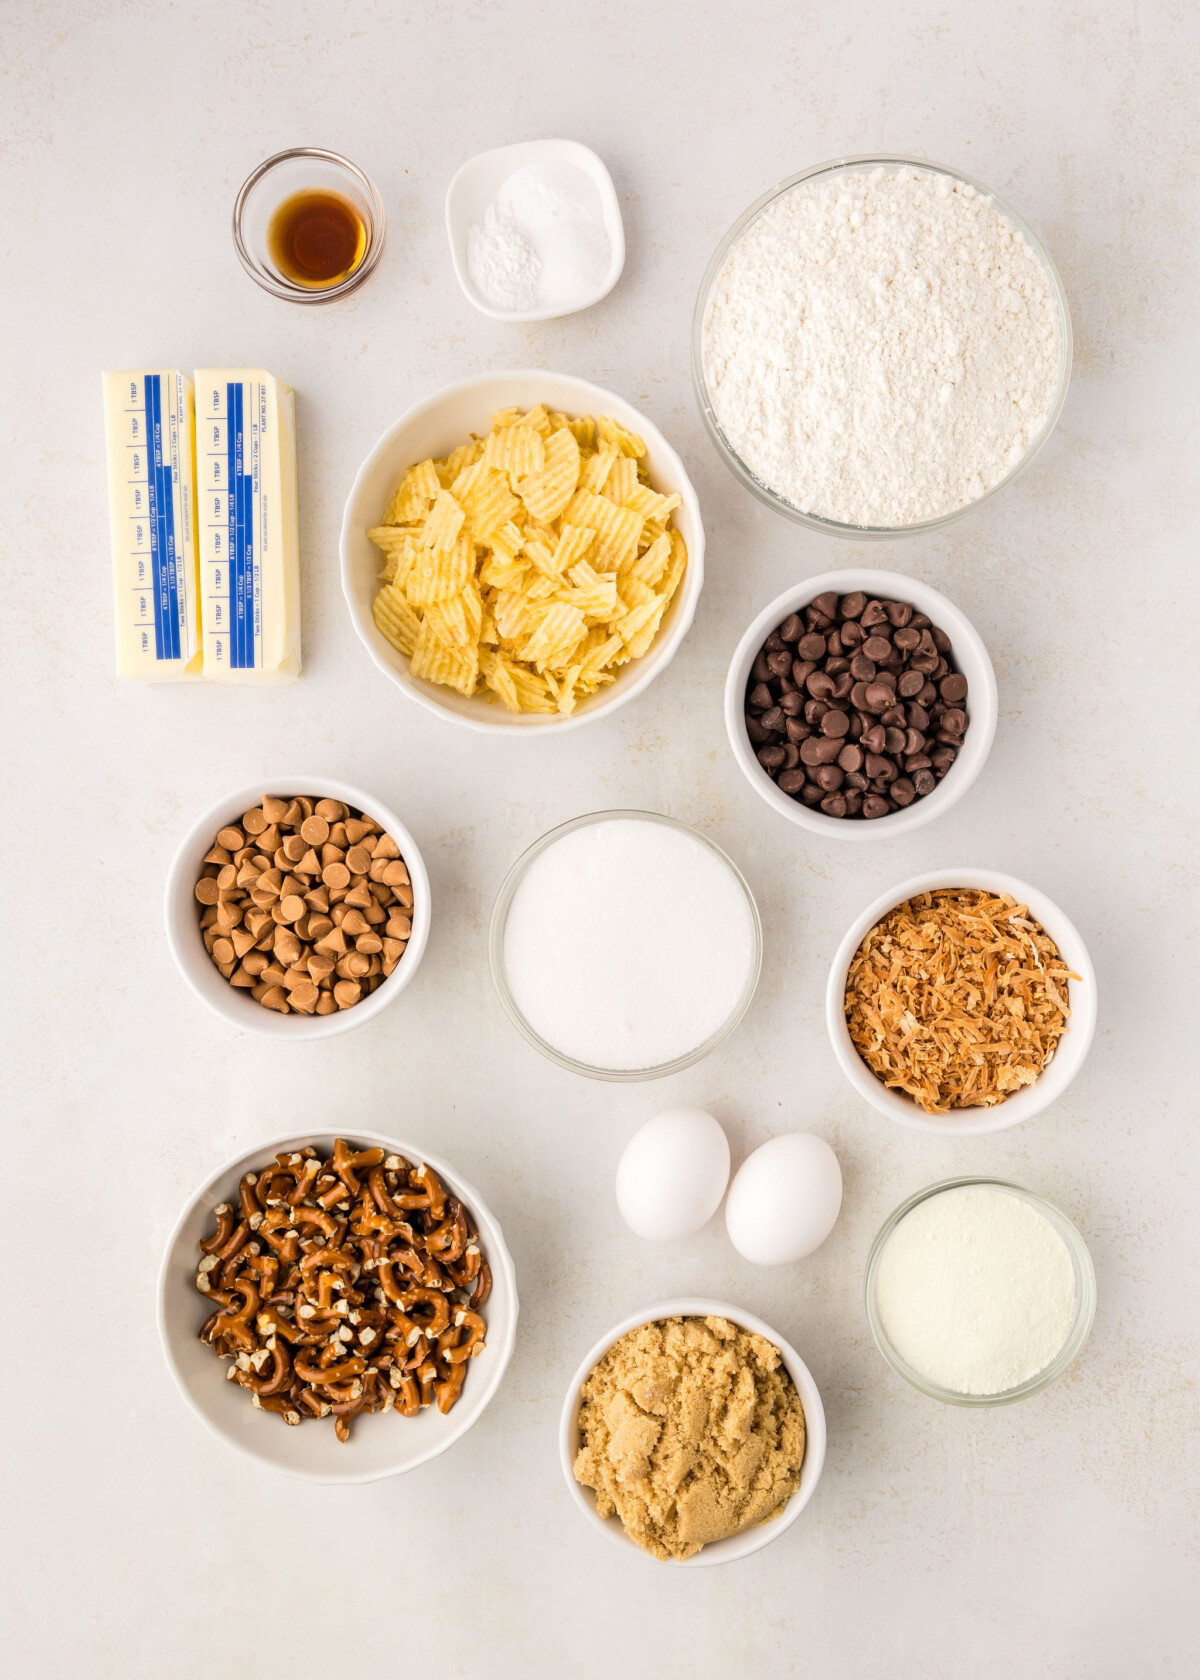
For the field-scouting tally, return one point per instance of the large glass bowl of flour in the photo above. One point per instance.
(879, 345)
(979, 1293)
(624, 945)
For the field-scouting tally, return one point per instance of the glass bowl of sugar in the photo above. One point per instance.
(625, 946)
(979, 1293)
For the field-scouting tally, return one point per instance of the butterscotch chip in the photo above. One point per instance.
(399, 927)
(223, 950)
(326, 1005)
(386, 847)
(347, 993)
(315, 830)
(218, 855)
(275, 810)
(304, 997)
(293, 848)
(292, 907)
(395, 875)
(231, 838)
(274, 998)
(254, 821)
(331, 809)
(206, 889)
(368, 942)
(354, 922)
(357, 829)
(336, 875)
(309, 863)
(358, 860)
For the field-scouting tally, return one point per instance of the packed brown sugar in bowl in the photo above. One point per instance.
(957, 998)
(691, 1430)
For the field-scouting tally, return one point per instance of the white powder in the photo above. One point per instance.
(881, 348)
(542, 242)
(628, 943)
(976, 1290)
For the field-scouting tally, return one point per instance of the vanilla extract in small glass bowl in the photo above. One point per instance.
(308, 225)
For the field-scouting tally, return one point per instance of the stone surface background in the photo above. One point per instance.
(1056, 1538)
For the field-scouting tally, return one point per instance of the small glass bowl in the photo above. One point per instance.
(504, 898)
(1081, 1322)
(303, 169)
(739, 469)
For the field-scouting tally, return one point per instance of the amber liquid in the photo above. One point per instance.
(316, 238)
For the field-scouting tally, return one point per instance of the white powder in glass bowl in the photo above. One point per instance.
(975, 1290)
(628, 943)
(881, 348)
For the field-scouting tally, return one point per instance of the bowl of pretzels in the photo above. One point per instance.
(340, 1308)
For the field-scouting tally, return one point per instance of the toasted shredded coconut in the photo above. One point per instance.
(957, 998)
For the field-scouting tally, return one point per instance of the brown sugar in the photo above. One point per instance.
(691, 1430)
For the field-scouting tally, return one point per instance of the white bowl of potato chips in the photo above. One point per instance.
(522, 551)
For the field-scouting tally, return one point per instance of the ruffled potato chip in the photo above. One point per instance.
(530, 565)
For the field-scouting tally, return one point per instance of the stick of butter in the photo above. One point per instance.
(249, 528)
(149, 425)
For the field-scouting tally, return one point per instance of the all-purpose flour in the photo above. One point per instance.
(881, 348)
(976, 1290)
(628, 943)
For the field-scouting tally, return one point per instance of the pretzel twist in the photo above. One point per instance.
(344, 1286)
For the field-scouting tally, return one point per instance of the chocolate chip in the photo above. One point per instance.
(820, 685)
(854, 705)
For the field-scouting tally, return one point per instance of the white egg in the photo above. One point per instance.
(784, 1199)
(673, 1173)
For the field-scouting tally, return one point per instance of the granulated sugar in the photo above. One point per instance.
(628, 943)
(881, 348)
(976, 1290)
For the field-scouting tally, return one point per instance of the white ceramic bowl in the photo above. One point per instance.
(476, 185)
(970, 657)
(436, 426)
(751, 1539)
(380, 1444)
(1073, 1046)
(183, 922)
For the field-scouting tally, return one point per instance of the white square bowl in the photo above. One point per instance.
(476, 185)
(438, 425)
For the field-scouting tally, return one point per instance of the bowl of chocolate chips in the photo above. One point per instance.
(861, 703)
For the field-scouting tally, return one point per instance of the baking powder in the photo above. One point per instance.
(542, 242)
(881, 348)
(628, 943)
(976, 1290)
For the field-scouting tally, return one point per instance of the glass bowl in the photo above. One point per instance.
(1081, 1322)
(499, 922)
(303, 168)
(739, 469)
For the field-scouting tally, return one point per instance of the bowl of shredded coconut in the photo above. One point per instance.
(880, 344)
